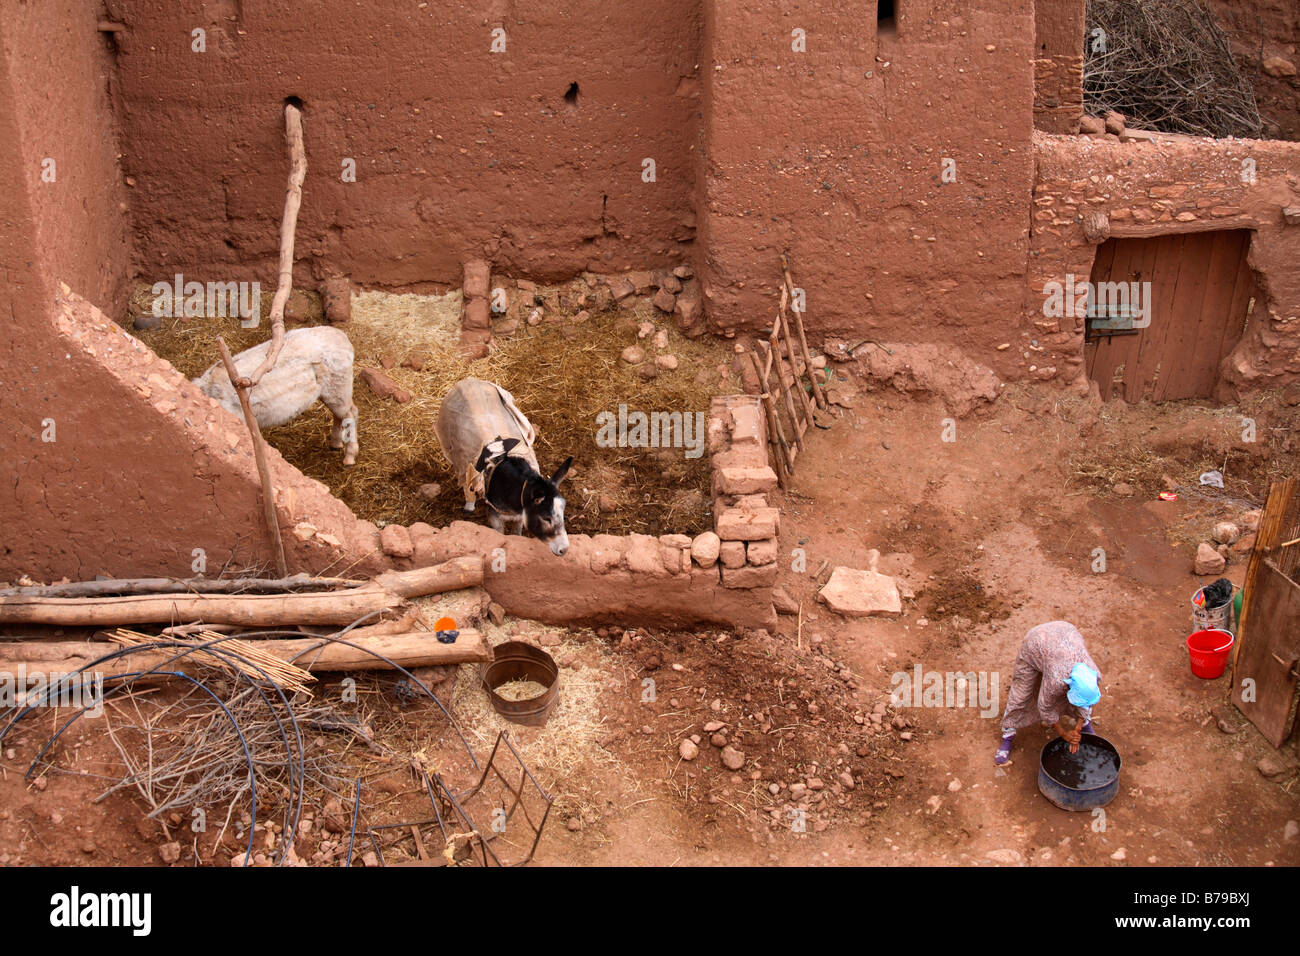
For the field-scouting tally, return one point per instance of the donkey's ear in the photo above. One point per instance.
(497, 448)
(562, 471)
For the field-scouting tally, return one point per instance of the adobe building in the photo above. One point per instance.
(919, 161)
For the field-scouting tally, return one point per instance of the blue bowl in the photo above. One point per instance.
(1060, 782)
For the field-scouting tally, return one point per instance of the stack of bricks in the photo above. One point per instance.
(745, 523)
(476, 320)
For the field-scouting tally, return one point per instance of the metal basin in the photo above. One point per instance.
(1081, 781)
(515, 660)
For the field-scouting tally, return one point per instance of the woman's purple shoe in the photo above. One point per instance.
(1003, 755)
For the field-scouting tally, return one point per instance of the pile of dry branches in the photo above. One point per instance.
(1166, 66)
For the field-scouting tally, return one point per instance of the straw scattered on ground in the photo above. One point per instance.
(562, 374)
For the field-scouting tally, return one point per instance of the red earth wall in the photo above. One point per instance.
(837, 155)
(460, 152)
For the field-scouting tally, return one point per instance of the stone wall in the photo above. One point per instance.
(1058, 65)
(724, 576)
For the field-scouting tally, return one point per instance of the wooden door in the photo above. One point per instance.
(1268, 646)
(1200, 293)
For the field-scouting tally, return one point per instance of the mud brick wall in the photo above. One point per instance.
(724, 576)
(745, 523)
(1058, 65)
(1144, 189)
(836, 156)
(460, 152)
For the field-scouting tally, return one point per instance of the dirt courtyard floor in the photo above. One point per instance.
(992, 533)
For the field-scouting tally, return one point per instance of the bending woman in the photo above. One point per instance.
(1054, 678)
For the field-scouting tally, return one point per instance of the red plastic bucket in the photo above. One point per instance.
(1209, 652)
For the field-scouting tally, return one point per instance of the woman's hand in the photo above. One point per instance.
(1073, 736)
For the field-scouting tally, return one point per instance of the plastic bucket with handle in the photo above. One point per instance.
(1209, 650)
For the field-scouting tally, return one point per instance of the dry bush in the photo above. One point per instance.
(1166, 66)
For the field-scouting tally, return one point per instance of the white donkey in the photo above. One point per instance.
(315, 363)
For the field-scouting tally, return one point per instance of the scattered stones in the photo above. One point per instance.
(170, 852)
(383, 386)
(857, 593)
(620, 287)
(633, 355)
(496, 613)
(783, 602)
(1279, 66)
(954, 785)
(1274, 766)
(430, 491)
(1208, 561)
(1225, 532)
(1291, 831)
(666, 362)
(732, 758)
(416, 361)
(664, 301)
(688, 749)
(1124, 490)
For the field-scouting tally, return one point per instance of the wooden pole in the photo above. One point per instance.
(288, 225)
(259, 456)
(803, 339)
(765, 383)
(805, 403)
(414, 649)
(118, 586)
(248, 610)
(772, 352)
(765, 398)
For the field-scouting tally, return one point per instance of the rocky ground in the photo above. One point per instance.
(785, 746)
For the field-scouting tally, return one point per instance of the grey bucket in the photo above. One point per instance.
(1212, 618)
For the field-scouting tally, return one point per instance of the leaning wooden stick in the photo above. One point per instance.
(764, 382)
(259, 455)
(818, 391)
(772, 352)
(805, 403)
(292, 200)
(765, 398)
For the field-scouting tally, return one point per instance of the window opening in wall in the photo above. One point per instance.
(886, 20)
(571, 94)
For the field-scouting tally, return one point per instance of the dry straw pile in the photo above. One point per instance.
(562, 374)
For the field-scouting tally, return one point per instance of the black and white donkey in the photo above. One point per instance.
(489, 443)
